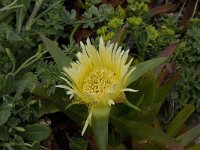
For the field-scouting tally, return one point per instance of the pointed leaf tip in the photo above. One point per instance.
(58, 55)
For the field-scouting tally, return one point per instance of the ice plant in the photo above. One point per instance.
(98, 79)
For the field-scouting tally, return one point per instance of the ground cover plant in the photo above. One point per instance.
(149, 88)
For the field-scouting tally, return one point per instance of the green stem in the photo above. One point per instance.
(27, 105)
(13, 144)
(33, 20)
(12, 58)
(99, 122)
(73, 32)
(36, 8)
(14, 7)
(8, 6)
(30, 61)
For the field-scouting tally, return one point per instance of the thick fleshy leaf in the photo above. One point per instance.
(77, 144)
(180, 119)
(144, 67)
(47, 107)
(149, 113)
(1, 82)
(144, 99)
(4, 115)
(169, 50)
(165, 73)
(35, 145)
(4, 135)
(19, 147)
(56, 98)
(196, 147)
(36, 132)
(147, 88)
(121, 32)
(9, 83)
(166, 88)
(189, 136)
(142, 130)
(60, 58)
(148, 144)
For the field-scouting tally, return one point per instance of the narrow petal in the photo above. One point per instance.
(66, 81)
(128, 74)
(87, 122)
(111, 102)
(70, 93)
(129, 90)
(64, 87)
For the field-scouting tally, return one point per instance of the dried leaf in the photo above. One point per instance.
(162, 9)
(189, 12)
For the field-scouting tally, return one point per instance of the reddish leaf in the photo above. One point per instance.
(167, 72)
(169, 50)
(118, 37)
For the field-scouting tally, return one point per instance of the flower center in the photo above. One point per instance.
(99, 82)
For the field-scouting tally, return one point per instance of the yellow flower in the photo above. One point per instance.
(98, 78)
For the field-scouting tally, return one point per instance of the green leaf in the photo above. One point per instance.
(36, 132)
(189, 136)
(77, 144)
(36, 145)
(4, 115)
(147, 88)
(142, 130)
(148, 144)
(1, 82)
(169, 50)
(180, 119)
(166, 88)
(144, 67)
(4, 135)
(147, 114)
(25, 83)
(20, 13)
(196, 147)
(58, 55)
(12, 58)
(9, 83)
(20, 147)
(47, 107)
(13, 37)
(144, 99)
(118, 37)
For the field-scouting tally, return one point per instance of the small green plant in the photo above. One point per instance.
(187, 58)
